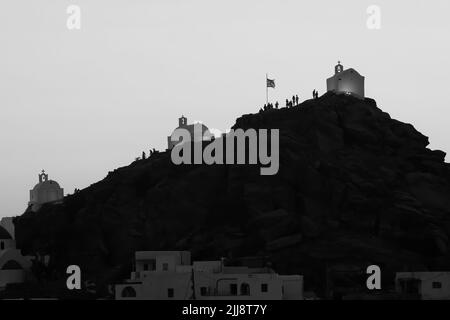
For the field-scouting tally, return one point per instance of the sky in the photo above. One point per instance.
(80, 103)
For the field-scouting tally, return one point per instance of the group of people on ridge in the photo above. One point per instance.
(289, 103)
(150, 153)
(293, 102)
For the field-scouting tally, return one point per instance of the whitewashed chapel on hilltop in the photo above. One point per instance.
(182, 124)
(46, 191)
(347, 81)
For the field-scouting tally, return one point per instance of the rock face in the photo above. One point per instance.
(354, 188)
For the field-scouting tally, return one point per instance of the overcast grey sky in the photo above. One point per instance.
(79, 103)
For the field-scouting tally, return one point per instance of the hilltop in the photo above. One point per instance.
(355, 187)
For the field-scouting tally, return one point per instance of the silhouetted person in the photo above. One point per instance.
(317, 95)
(143, 155)
(296, 100)
(287, 103)
(293, 100)
(276, 105)
(314, 93)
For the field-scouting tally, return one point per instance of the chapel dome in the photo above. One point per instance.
(46, 185)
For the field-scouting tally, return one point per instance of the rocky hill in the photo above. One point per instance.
(354, 188)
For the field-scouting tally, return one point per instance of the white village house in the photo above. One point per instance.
(423, 285)
(14, 268)
(165, 275)
(8, 224)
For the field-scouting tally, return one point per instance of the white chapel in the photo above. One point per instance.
(45, 191)
(347, 81)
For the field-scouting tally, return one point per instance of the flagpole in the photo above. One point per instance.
(267, 91)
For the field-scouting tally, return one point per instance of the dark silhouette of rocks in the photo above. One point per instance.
(354, 188)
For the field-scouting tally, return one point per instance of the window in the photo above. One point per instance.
(165, 266)
(264, 287)
(128, 292)
(170, 292)
(145, 267)
(233, 289)
(437, 285)
(203, 291)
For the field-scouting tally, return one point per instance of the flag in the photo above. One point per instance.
(270, 83)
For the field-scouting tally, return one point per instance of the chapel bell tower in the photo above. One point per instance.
(182, 122)
(338, 68)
